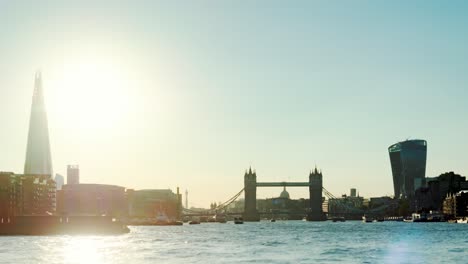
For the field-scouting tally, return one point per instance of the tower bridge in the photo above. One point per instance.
(315, 185)
(314, 211)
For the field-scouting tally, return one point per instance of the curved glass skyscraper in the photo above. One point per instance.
(408, 161)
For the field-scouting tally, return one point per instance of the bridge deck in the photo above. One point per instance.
(283, 184)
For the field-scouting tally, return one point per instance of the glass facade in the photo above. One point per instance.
(38, 157)
(408, 161)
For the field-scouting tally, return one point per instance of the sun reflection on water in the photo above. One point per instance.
(83, 250)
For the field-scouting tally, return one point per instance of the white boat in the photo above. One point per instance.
(462, 221)
(432, 216)
(366, 219)
(161, 219)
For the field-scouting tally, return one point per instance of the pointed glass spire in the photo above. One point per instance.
(38, 158)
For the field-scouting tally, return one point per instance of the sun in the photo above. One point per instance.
(94, 94)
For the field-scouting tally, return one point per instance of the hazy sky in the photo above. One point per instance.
(146, 94)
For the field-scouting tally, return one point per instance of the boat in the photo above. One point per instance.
(238, 220)
(366, 219)
(273, 220)
(219, 218)
(435, 216)
(462, 221)
(432, 216)
(394, 218)
(57, 225)
(338, 219)
(152, 222)
(194, 222)
(161, 219)
(175, 223)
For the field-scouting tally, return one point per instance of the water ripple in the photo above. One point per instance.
(264, 242)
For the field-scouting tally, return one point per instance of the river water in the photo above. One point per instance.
(263, 242)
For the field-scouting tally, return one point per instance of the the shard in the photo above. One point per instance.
(38, 158)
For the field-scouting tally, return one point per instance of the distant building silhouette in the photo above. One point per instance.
(438, 188)
(151, 202)
(282, 207)
(353, 192)
(73, 174)
(38, 157)
(92, 199)
(59, 181)
(408, 161)
(284, 194)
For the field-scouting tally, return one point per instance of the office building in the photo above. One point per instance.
(73, 174)
(59, 181)
(38, 157)
(408, 162)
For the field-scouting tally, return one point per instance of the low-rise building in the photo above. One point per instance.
(26, 194)
(152, 202)
(10, 195)
(349, 207)
(432, 196)
(456, 205)
(92, 199)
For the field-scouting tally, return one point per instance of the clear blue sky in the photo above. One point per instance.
(159, 95)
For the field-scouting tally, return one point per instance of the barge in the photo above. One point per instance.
(59, 225)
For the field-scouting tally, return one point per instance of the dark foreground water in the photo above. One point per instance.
(264, 242)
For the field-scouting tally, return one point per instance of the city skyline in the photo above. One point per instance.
(154, 103)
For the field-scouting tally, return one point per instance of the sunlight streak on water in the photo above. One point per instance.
(264, 242)
(83, 250)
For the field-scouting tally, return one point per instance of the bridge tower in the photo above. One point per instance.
(250, 192)
(315, 193)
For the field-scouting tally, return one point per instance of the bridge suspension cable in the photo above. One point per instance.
(221, 206)
(340, 203)
(328, 194)
(230, 201)
(350, 208)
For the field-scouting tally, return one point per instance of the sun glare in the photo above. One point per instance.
(93, 94)
(83, 250)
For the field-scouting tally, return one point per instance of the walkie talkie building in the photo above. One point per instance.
(408, 161)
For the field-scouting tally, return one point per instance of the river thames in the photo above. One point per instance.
(262, 242)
